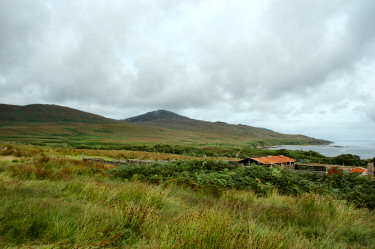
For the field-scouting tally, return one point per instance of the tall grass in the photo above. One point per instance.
(217, 175)
(54, 202)
(107, 213)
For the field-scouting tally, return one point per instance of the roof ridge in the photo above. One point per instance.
(273, 159)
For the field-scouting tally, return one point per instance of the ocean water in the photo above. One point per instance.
(365, 150)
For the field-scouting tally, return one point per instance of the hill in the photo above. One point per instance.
(48, 113)
(157, 115)
(59, 125)
(170, 120)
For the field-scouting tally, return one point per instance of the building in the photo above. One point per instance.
(269, 161)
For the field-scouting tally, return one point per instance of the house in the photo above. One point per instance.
(269, 161)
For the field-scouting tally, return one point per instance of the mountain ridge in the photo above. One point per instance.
(156, 126)
(158, 114)
(48, 113)
(171, 120)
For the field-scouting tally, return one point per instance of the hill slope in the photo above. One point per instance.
(48, 113)
(170, 120)
(58, 124)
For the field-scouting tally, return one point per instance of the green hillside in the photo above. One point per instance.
(170, 120)
(48, 113)
(52, 124)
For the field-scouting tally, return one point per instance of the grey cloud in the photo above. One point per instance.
(252, 58)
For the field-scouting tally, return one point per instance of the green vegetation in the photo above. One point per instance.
(315, 157)
(259, 136)
(162, 131)
(52, 124)
(218, 176)
(48, 113)
(49, 200)
(115, 137)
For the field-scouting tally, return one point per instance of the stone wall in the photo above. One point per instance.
(123, 162)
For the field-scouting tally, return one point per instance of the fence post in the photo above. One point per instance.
(83, 155)
(370, 169)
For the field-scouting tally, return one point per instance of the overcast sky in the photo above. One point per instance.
(299, 66)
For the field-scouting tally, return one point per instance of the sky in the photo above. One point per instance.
(293, 66)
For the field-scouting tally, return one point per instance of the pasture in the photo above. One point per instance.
(51, 198)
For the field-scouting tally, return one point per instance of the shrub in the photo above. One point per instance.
(220, 175)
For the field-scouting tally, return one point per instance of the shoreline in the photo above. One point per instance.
(365, 150)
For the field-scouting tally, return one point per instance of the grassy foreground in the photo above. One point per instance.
(50, 199)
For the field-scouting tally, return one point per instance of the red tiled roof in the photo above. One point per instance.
(273, 159)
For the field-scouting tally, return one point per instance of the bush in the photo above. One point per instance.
(220, 175)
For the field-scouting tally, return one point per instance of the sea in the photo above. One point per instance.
(364, 149)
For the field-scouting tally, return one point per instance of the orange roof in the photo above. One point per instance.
(273, 159)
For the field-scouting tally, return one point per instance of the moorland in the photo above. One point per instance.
(50, 198)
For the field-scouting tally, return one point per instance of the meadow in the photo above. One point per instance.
(49, 198)
(129, 137)
(118, 133)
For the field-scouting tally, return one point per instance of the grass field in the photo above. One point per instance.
(123, 136)
(84, 134)
(52, 124)
(49, 199)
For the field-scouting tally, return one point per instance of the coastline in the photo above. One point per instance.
(366, 150)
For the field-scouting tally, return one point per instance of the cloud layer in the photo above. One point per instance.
(293, 66)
